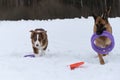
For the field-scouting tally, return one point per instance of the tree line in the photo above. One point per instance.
(52, 9)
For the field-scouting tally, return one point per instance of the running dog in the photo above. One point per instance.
(39, 41)
(102, 24)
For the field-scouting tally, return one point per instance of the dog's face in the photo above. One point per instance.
(37, 37)
(100, 23)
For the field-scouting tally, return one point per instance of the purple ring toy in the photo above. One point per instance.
(30, 55)
(103, 50)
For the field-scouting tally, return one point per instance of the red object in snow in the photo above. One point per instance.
(76, 65)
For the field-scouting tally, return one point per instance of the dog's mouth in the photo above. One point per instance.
(100, 29)
(37, 45)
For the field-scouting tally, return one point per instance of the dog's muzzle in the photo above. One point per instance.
(37, 45)
(100, 29)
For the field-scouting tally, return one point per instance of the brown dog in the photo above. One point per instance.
(102, 24)
(39, 41)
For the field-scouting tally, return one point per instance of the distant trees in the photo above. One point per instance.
(50, 9)
(95, 6)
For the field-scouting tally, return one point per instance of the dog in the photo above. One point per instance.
(102, 24)
(39, 41)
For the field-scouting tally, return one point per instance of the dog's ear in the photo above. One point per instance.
(105, 15)
(45, 31)
(31, 34)
(31, 31)
(44, 35)
(108, 11)
(94, 16)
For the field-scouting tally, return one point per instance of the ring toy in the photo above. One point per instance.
(30, 55)
(105, 50)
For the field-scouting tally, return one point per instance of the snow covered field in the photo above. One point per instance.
(69, 42)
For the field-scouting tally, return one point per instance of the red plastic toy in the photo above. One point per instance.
(76, 65)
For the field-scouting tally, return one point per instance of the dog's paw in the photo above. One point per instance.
(37, 55)
(102, 62)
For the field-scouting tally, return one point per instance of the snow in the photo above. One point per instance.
(69, 42)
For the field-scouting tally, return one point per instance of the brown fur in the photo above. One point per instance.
(43, 39)
(102, 41)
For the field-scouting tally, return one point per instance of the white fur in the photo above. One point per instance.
(37, 43)
(41, 51)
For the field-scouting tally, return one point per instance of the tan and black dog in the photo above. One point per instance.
(102, 24)
(39, 41)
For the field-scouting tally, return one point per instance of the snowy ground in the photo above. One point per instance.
(69, 42)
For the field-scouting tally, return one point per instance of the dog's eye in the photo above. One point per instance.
(35, 37)
(100, 25)
(40, 36)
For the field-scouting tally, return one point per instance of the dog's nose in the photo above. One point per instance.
(37, 45)
(99, 32)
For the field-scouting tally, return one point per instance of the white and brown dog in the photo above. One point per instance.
(39, 41)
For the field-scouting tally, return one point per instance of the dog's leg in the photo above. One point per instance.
(101, 59)
(42, 52)
(43, 49)
(35, 50)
